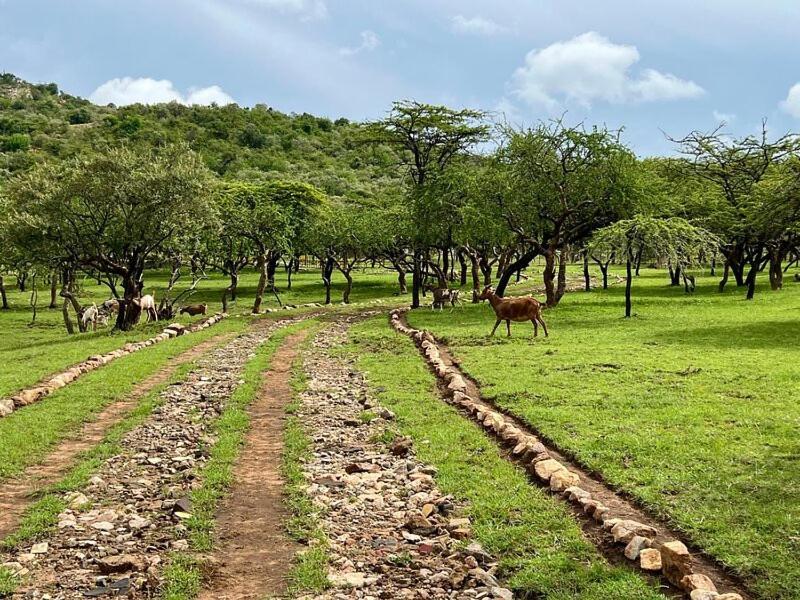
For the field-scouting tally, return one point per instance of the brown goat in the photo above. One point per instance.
(194, 309)
(526, 308)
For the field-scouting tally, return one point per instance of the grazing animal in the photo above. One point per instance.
(526, 308)
(442, 296)
(110, 306)
(194, 309)
(147, 304)
(96, 315)
(90, 315)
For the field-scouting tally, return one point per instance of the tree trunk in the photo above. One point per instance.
(738, 273)
(486, 269)
(476, 277)
(416, 279)
(751, 280)
(521, 263)
(446, 262)
(604, 271)
(462, 261)
(21, 279)
(272, 266)
(628, 281)
(129, 311)
(234, 286)
(725, 271)
(549, 276)
(262, 263)
(3, 296)
(327, 274)
(53, 290)
(401, 277)
(675, 275)
(775, 269)
(348, 286)
(67, 320)
(587, 280)
(561, 288)
(713, 266)
(638, 262)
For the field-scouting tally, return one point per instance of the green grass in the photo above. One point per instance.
(182, 577)
(42, 516)
(690, 406)
(27, 435)
(29, 353)
(309, 572)
(541, 549)
(8, 583)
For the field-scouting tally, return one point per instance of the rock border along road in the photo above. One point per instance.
(116, 534)
(392, 533)
(18, 493)
(618, 528)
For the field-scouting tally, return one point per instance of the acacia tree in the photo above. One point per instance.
(427, 139)
(262, 213)
(110, 212)
(735, 167)
(564, 182)
(343, 235)
(673, 239)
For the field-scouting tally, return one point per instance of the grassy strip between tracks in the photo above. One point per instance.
(183, 574)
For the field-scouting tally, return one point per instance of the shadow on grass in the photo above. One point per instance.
(761, 335)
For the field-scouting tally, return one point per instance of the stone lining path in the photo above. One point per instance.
(392, 533)
(116, 534)
(19, 492)
(620, 529)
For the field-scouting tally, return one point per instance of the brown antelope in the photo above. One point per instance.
(526, 308)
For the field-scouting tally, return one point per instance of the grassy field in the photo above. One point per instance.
(541, 549)
(27, 435)
(29, 352)
(690, 406)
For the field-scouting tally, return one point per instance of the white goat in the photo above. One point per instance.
(95, 316)
(147, 304)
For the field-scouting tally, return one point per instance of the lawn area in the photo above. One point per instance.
(28, 353)
(690, 406)
(540, 547)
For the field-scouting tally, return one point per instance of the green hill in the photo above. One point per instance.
(40, 122)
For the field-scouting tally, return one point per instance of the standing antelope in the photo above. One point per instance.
(526, 308)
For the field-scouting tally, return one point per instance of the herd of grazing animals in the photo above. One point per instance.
(525, 308)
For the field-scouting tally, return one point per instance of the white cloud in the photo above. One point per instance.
(723, 117)
(589, 68)
(308, 9)
(792, 103)
(476, 25)
(144, 90)
(369, 41)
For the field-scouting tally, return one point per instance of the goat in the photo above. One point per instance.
(194, 309)
(442, 296)
(110, 306)
(526, 308)
(95, 315)
(147, 304)
(90, 315)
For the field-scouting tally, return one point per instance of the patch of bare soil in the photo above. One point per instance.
(254, 553)
(17, 494)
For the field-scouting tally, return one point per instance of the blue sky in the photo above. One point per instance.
(647, 65)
